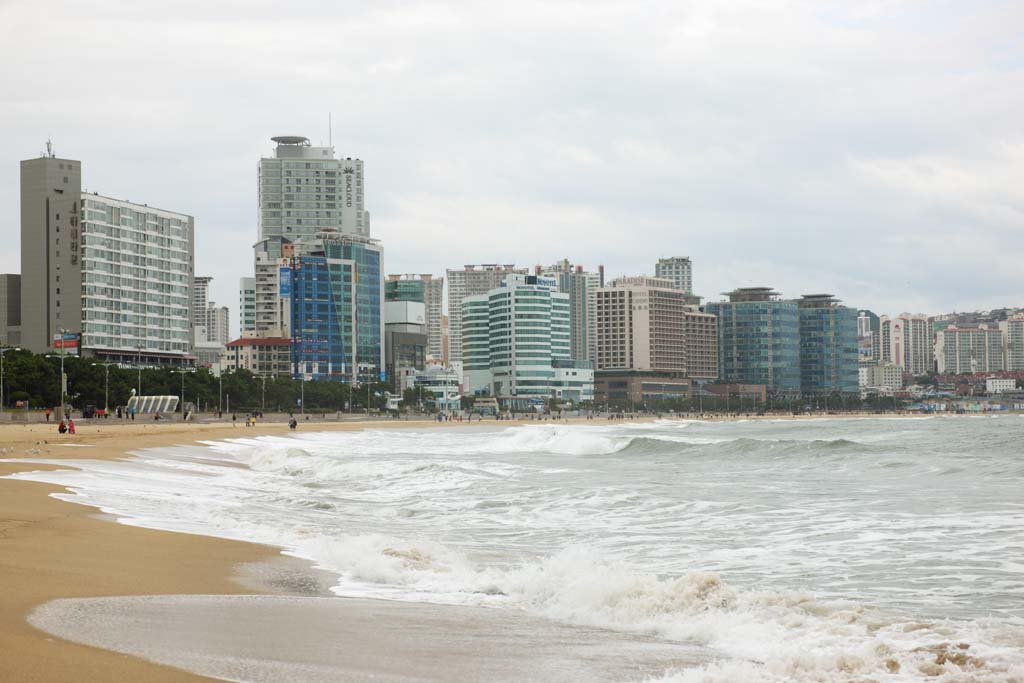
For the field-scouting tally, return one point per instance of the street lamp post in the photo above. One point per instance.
(106, 386)
(182, 371)
(263, 403)
(4, 350)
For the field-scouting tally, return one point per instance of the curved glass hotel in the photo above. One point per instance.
(516, 345)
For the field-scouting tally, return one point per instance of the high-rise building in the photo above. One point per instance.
(581, 287)
(304, 189)
(108, 277)
(51, 249)
(828, 346)
(678, 269)
(646, 324)
(272, 297)
(200, 298)
(432, 291)
(246, 306)
(217, 325)
(1013, 341)
(961, 351)
(759, 340)
(869, 337)
(470, 281)
(908, 342)
(10, 309)
(516, 345)
(337, 302)
(405, 336)
(137, 279)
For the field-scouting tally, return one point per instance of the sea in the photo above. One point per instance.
(825, 550)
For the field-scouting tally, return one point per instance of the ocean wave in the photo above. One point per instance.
(761, 636)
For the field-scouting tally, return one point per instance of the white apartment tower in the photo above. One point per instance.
(678, 269)
(470, 281)
(1013, 341)
(961, 351)
(907, 342)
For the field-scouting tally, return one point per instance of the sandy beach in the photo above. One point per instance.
(53, 549)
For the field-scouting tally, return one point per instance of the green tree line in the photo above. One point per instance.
(35, 378)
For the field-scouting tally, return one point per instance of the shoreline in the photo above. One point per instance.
(51, 549)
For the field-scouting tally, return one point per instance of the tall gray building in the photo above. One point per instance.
(678, 269)
(117, 273)
(10, 309)
(304, 189)
(470, 281)
(51, 282)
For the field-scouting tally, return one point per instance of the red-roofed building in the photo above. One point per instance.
(264, 356)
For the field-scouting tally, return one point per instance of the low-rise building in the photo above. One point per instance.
(1000, 385)
(880, 378)
(262, 356)
(633, 388)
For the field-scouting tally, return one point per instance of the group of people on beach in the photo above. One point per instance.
(66, 427)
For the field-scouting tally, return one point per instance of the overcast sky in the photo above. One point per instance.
(871, 149)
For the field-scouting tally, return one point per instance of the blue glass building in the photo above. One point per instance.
(759, 340)
(338, 293)
(828, 346)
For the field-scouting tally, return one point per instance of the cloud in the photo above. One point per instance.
(871, 150)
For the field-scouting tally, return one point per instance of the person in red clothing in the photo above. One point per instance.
(71, 426)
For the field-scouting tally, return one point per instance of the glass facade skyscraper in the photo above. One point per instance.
(828, 346)
(336, 308)
(759, 340)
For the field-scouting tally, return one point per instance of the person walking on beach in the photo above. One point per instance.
(234, 420)
(71, 426)
(47, 414)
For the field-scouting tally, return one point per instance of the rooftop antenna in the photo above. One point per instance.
(330, 133)
(49, 148)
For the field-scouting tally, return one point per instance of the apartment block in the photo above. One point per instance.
(960, 351)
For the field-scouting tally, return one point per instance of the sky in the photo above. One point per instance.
(873, 150)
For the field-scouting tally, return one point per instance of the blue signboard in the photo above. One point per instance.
(286, 282)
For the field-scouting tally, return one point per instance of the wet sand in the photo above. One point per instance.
(335, 640)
